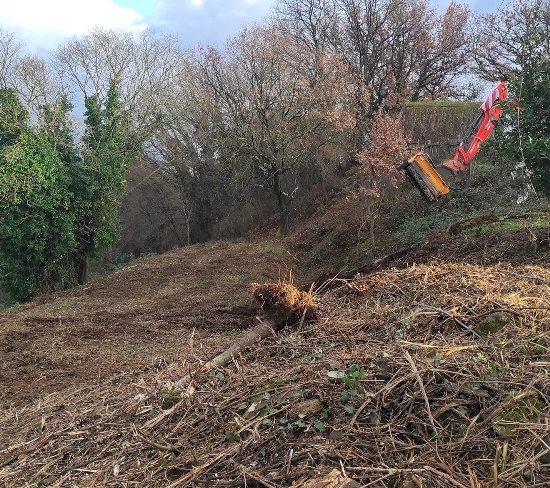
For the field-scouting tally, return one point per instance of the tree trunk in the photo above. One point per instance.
(282, 206)
(265, 329)
(371, 231)
(187, 218)
(82, 268)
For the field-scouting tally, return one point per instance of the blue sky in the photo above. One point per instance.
(208, 21)
(212, 21)
(43, 24)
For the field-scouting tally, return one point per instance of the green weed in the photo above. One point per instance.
(509, 226)
(351, 379)
(170, 399)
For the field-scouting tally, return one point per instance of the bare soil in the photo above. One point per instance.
(428, 375)
(431, 371)
(135, 318)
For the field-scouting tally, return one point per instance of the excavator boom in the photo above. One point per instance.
(428, 178)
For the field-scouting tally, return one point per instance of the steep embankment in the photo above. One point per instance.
(431, 374)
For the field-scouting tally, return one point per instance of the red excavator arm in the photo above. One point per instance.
(481, 127)
(429, 179)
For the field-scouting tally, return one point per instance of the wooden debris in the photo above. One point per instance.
(334, 479)
(281, 302)
(421, 367)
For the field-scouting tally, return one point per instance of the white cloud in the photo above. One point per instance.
(44, 23)
(200, 3)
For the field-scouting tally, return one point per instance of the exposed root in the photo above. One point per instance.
(283, 301)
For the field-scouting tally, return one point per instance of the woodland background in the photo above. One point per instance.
(323, 99)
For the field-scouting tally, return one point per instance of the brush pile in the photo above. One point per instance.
(429, 376)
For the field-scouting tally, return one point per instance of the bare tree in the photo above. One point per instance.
(442, 54)
(144, 66)
(30, 75)
(36, 83)
(502, 40)
(185, 151)
(313, 22)
(10, 54)
(274, 108)
(403, 48)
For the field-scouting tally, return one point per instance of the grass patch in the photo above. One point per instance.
(275, 248)
(509, 226)
(236, 279)
(170, 399)
(516, 413)
(5, 306)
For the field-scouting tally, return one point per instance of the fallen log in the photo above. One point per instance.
(265, 329)
(282, 304)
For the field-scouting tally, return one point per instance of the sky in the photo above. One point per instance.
(44, 24)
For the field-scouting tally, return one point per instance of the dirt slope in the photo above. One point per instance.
(488, 239)
(415, 375)
(132, 319)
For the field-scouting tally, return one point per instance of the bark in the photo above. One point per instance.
(265, 329)
(187, 217)
(82, 268)
(371, 230)
(282, 206)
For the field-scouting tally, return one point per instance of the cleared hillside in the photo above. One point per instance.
(142, 315)
(432, 374)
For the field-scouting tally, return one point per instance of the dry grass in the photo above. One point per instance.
(397, 384)
(284, 301)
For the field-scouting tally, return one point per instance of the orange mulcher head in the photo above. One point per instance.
(422, 173)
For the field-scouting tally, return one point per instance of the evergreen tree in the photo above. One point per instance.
(36, 222)
(13, 117)
(58, 205)
(526, 131)
(108, 147)
(55, 121)
(534, 121)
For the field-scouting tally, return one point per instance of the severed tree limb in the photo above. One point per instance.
(282, 303)
(265, 329)
(409, 358)
(156, 445)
